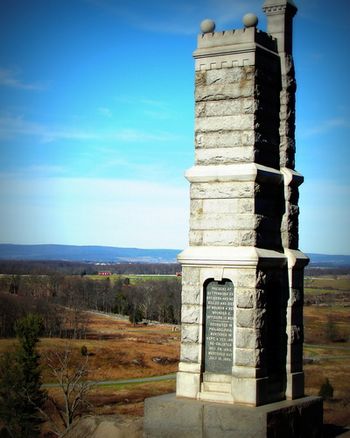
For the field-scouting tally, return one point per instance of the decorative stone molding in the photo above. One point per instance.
(231, 256)
(234, 172)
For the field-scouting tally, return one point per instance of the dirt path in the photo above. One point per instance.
(325, 346)
(122, 381)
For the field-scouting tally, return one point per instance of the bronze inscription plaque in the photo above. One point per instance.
(219, 327)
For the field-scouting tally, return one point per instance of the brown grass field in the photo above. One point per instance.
(330, 359)
(118, 350)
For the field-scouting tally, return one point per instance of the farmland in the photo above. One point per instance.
(327, 343)
(117, 350)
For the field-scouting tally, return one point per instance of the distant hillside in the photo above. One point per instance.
(329, 260)
(103, 254)
(107, 254)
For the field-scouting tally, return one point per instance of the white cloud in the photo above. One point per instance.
(178, 17)
(15, 126)
(9, 78)
(326, 126)
(93, 211)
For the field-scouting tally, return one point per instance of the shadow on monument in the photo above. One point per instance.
(333, 431)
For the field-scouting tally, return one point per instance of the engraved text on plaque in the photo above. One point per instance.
(219, 327)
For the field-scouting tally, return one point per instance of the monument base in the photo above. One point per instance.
(169, 417)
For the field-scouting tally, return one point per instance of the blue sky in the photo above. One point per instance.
(96, 119)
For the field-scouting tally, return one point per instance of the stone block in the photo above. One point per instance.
(228, 238)
(251, 318)
(223, 221)
(169, 417)
(196, 238)
(219, 108)
(222, 92)
(228, 139)
(190, 333)
(235, 75)
(196, 206)
(191, 294)
(189, 352)
(190, 314)
(245, 318)
(241, 206)
(223, 190)
(246, 298)
(225, 155)
(295, 385)
(190, 285)
(248, 357)
(227, 123)
(166, 417)
(246, 278)
(248, 338)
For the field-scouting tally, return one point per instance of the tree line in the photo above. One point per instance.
(62, 301)
(35, 267)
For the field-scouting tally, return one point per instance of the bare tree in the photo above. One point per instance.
(71, 377)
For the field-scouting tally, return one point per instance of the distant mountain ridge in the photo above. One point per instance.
(102, 254)
(107, 254)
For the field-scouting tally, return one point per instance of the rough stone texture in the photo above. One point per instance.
(248, 338)
(190, 314)
(190, 285)
(190, 333)
(195, 419)
(189, 352)
(110, 426)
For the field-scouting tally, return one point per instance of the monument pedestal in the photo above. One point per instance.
(169, 417)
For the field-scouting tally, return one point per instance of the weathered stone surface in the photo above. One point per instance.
(300, 418)
(246, 298)
(224, 155)
(190, 333)
(233, 75)
(107, 426)
(223, 190)
(223, 92)
(190, 313)
(246, 278)
(190, 285)
(223, 237)
(243, 205)
(215, 221)
(221, 108)
(189, 352)
(165, 416)
(248, 357)
(226, 139)
(296, 334)
(296, 297)
(250, 318)
(240, 122)
(248, 338)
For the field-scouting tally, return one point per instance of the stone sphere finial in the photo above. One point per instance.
(207, 25)
(250, 20)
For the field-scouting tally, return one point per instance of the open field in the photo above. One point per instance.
(328, 317)
(119, 350)
(328, 289)
(133, 278)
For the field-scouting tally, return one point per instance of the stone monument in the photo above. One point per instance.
(241, 364)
